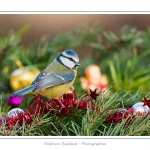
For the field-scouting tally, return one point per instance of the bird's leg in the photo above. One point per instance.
(62, 105)
(72, 88)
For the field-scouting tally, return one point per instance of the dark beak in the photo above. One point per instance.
(77, 64)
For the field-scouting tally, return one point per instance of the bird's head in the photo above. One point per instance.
(69, 58)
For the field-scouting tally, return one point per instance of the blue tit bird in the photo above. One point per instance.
(57, 78)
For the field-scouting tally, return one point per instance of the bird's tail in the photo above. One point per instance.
(24, 91)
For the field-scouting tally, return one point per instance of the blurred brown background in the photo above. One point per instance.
(48, 23)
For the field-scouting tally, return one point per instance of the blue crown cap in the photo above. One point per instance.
(71, 52)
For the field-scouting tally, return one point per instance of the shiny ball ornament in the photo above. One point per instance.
(14, 112)
(23, 77)
(14, 101)
(139, 108)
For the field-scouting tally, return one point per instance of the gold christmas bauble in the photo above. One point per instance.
(23, 77)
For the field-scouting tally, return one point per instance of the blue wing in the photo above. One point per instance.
(25, 90)
(46, 80)
(51, 80)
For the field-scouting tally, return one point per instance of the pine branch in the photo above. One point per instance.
(4, 52)
(123, 40)
(137, 127)
(126, 67)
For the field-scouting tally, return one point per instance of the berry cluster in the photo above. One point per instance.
(41, 106)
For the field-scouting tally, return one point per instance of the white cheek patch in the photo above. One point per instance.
(67, 62)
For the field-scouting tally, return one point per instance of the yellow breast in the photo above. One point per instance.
(57, 91)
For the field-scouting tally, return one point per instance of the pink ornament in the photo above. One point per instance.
(0, 122)
(14, 101)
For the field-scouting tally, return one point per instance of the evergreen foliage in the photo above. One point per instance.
(122, 55)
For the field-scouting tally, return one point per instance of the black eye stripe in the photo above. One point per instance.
(68, 58)
(71, 59)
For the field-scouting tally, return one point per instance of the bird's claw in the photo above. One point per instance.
(62, 106)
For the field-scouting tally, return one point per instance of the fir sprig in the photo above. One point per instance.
(127, 72)
(91, 122)
(108, 43)
(123, 56)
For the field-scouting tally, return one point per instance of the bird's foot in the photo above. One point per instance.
(62, 106)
